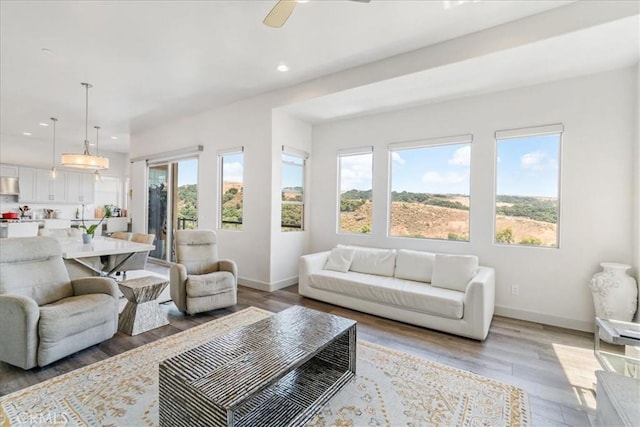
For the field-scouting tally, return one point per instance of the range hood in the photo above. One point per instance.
(9, 186)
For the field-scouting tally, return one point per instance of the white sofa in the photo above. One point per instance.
(450, 293)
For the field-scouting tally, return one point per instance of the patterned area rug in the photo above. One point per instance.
(390, 389)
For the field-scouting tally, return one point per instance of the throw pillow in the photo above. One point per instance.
(339, 259)
(454, 271)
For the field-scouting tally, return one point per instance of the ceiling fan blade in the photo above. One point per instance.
(280, 13)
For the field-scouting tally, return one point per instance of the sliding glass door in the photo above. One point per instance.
(173, 203)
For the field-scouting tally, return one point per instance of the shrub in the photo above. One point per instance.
(505, 235)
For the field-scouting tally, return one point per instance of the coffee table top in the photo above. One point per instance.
(254, 355)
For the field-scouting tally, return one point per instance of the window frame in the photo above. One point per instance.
(303, 156)
(421, 144)
(347, 152)
(532, 131)
(221, 154)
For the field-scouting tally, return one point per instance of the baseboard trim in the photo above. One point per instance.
(546, 319)
(267, 287)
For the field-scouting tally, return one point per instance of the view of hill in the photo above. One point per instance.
(521, 220)
(188, 206)
(232, 204)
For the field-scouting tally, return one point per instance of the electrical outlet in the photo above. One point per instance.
(515, 290)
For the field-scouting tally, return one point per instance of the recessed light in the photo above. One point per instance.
(44, 124)
(114, 137)
(303, 1)
(26, 133)
(283, 67)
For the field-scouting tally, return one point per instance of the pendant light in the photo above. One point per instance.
(85, 160)
(52, 173)
(96, 174)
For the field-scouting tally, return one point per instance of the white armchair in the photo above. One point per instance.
(45, 316)
(199, 280)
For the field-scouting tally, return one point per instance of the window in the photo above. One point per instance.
(292, 214)
(528, 186)
(355, 169)
(231, 189)
(430, 188)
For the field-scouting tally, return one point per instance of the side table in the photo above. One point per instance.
(620, 333)
(142, 312)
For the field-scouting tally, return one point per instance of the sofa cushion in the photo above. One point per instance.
(407, 294)
(200, 285)
(339, 259)
(414, 265)
(454, 271)
(381, 262)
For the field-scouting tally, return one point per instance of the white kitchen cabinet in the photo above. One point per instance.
(9, 170)
(27, 183)
(80, 187)
(48, 189)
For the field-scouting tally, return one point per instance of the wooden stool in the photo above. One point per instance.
(142, 312)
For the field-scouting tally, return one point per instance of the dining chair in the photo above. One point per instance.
(200, 281)
(138, 261)
(117, 224)
(22, 229)
(121, 235)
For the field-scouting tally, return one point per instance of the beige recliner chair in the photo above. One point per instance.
(45, 316)
(199, 280)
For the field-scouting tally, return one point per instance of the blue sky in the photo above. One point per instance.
(438, 169)
(528, 166)
(187, 172)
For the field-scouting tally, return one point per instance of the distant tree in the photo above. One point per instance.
(505, 235)
(530, 240)
(460, 237)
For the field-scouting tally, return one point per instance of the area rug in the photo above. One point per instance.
(390, 389)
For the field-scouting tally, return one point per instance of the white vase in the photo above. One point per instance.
(615, 293)
(87, 238)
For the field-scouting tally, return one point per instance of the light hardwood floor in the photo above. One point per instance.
(555, 366)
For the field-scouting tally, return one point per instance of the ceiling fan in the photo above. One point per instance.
(282, 10)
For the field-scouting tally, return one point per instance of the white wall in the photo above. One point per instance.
(597, 193)
(245, 123)
(287, 246)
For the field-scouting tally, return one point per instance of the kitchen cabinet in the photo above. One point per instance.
(27, 182)
(51, 190)
(9, 170)
(80, 187)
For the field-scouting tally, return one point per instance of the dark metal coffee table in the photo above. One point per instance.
(279, 371)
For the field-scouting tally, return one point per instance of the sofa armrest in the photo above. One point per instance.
(479, 301)
(230, 266)
(177, 288)
(310, 264)
(95, 285)
(19, 330)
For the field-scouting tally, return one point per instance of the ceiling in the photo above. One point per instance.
(152, 61)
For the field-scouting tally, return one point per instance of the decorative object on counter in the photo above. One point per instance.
(615, 293)
(107, 211)
(85, 160)
(90, 231)
(52, 174)
(78, 213)
(9, 215)
(25, 211)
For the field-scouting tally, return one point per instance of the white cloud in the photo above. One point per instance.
(355, 173)
(447, 178)
(233, 172)
(397, 159)
(537, 161)
(461, 157)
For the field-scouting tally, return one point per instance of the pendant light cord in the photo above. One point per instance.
(86, 120)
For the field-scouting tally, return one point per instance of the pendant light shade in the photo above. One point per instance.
(85, 160)
(52, 173)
